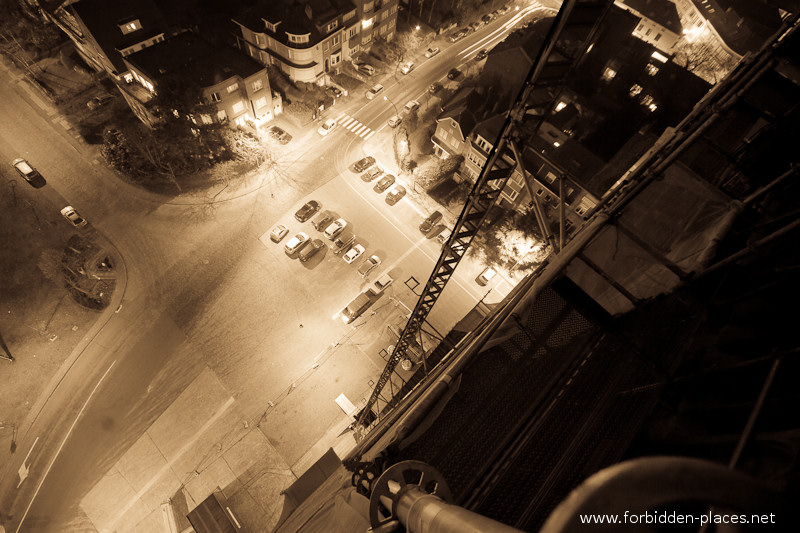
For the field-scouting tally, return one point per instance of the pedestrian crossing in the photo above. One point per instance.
(350, 124)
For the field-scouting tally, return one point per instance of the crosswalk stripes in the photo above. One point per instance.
(354, 126)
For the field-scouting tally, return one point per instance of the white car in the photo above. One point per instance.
(327, 127)
(486, 276)
(374, 91)
(73, 217)
(335, 228)
(410, 106)
(394, 121)
(296, 242)
(353, 253)
(369, 265)
(407, 67)
(430, 52)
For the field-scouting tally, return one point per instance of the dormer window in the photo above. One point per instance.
(332, 26)
(130, 26)
(297, 38)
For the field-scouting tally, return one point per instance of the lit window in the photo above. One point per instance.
(609, 74)
(233, 87)
(635, 89)
(238, 107)
(560, 106)
(366, 23)
(261, 102)
(647, 100)
(659, 57)
(652, 107)
(206, 119)
(130, 27)
(556, 144)
(222, 116)
(651, 69)
(258, 85)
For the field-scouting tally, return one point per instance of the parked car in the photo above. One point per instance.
(430, 52)
(374, 91)
(322, 221)
(371, 174)
(28, 173)
(474, 25)
(407, 67)
(279, 135)
(278, 233)
(394, 196)
(380, 284)
(310, 251)
(335, 228)
(481, 55)
(307, 211)
(368, 265)
(296, 243)
(353, 254)
(429, 223)
(410, 106)
(384, 183)
(335, 91)
(343, 241)
(443, 236)
(458, 35)
(73, 217)
(354, 309)
(394, 121)
(486, 276)
(366, 68)
(99, 101)
(453, 74)
(363, 164)
(327, 127)
(435, 87)
(486, 19)
(503, 10)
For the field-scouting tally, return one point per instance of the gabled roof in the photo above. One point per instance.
(662, 11)
(195, 59)
(103, 17)
(293, 17)
(490, 128)
(465, 107)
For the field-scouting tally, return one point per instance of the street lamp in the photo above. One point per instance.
(396, 112)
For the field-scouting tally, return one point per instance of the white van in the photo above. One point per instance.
(354, 309)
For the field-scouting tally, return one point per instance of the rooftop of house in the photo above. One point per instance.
(191, 56)
(490, 128)
(663, 12)
(744, 25)
(103, 20)
(294, 16)
(466, 107)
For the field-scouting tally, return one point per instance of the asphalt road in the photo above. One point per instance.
(206, 289)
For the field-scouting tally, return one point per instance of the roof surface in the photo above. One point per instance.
(662, 11)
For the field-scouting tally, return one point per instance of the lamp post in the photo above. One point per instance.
(396, 112)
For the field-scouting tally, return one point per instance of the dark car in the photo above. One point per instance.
(481, 55)
(335, 91)
(453, 74)
(427, 225)
(307, 211)
(458, 35)
(486, 19)
(279, 135)
(363, 164)
(99, 101)
(384, 183)
(28, 173)
(371, 174)
(395, 194)
(435, 87)
(310, 250)
(323, 220)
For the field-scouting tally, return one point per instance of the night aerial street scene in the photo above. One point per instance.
(399, 265)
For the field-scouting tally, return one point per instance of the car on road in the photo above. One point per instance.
(368, 265)
(430, 52)
(307, 211)
(278, 233)
(296, 243)
(310, 251)
(28, 173)
(410, 106)
(394, 196)
(335, 228)
(435, 87)
(481, 55)
(353, 254)
(327, 127)
(279, 135)
(73, 217)
(429, 223)
(371, 174)
(486, 276)
(374, 91)
(335, 91)
(453, 74)
(322, 221)
(458, 35)
(99, 101)
(363, 163)
(394, 121)
(407, 67)
(384, 183)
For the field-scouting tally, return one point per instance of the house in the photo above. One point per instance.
(659, 22)
(455, 122)
(311, 39)
(105, 32)
(236, 84)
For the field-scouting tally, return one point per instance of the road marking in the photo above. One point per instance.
(24, 470)
(358, 131)
(370, 134)
(63, 442)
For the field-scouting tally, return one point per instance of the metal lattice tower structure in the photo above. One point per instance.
(565, 43)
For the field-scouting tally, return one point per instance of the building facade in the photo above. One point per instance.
(310, 40)
(659, 22)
